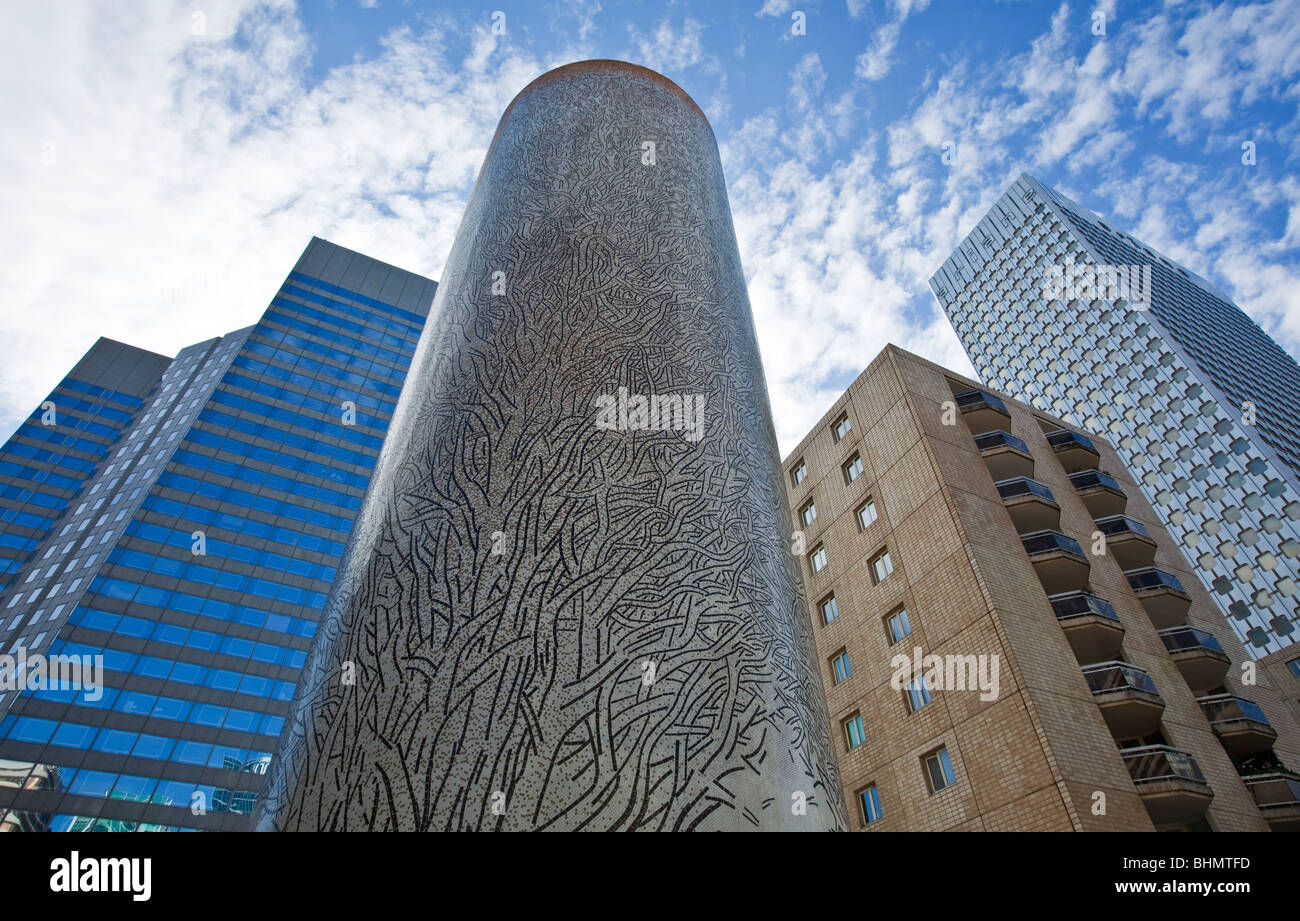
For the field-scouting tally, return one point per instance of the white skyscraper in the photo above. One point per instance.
(1066, 313)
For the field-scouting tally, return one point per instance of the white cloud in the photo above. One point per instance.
(668, 50)
(1224, 56)
(775, 8)
(586, 13)
(875, 62)
(189, 171)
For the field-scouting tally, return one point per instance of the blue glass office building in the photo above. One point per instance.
(195, 554)
(57, 450)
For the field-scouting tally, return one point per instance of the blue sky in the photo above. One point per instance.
(160, 171)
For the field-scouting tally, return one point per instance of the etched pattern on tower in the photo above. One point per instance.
(549, 623)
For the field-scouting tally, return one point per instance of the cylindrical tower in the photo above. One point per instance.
(570, 600)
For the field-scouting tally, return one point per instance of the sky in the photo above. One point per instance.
(163, 164)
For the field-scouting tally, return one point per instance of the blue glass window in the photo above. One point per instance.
(208, 715)
(92, 783)
(242, 720)
(191, 752)
(173, 793)
(134, 788)
(158, 747)
(135, 702)
(73, 735)
(115, 741)
(171, 708)
(30, 729)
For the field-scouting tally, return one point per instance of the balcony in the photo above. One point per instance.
(1058, 560)
(1240, 724)
(1198, 656)
(1170, 783)
(1162, 596)
(1102, 494)
(1004, 454)
(1091, 626)
(1278, 797)
(1128, 541)
(982, 410)
(1075, 451)
(1031, 504)
(1127, 696)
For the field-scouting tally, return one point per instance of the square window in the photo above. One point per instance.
(917, 694)
(842, 427)
(897, 626)
(938, 770)
(867, 514)
(818, 558)
(92, 783)
(881, 566)
(830, 609)
(800, 473)
(73, 735)
(853, 732)
(808, 514)
(1294, 667)
(870, 800)
(840, 666)
(853, 468)
(115, 741)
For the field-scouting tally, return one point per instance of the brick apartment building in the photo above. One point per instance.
(937, 517)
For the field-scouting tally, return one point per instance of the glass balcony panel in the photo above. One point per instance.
(1065, 437)
(1112, 676)
(1275, 789)
(1024, 486)
(1219, 708)
(1120, 524)
(997, 439)
(1140, 579)
(971, 398)
(1179, 639)
(1086, 479)
(1077, 604)
(1048, 541)
(1160, 762)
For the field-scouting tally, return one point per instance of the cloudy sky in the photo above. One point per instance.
(163, 164)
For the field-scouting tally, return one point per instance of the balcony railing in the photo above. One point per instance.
(1151, 763)
(1086, 479)
(1140, 579)
(999, 439)
(1227, 708)
(1276, 789)
(1065, 438)
(1024, 486)
(1121, 524)
(1181, 639)
(973, 399)
(1114, 676)
(1049, 541)
(1080, 604)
